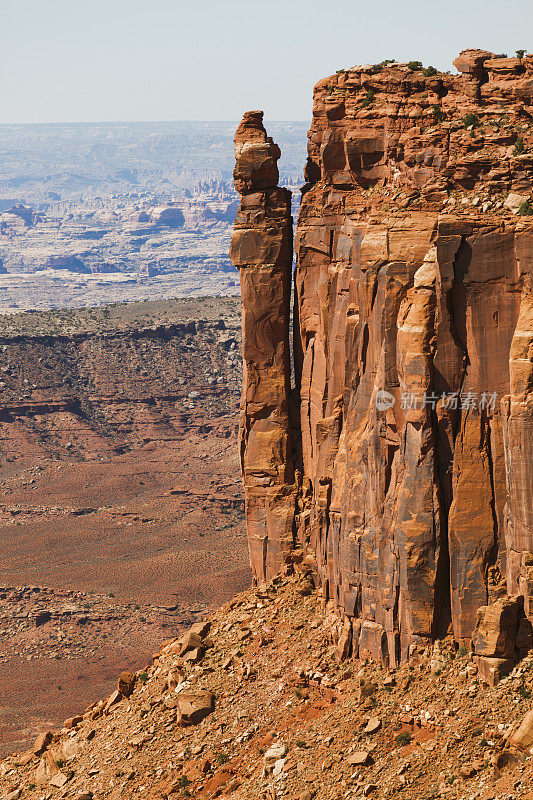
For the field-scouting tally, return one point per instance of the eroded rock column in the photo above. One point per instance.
(261, 249)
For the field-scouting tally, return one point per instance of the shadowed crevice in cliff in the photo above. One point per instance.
(443, 463)
(456, 299)
(491, 557)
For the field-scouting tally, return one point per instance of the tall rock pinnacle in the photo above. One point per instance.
(262, 250)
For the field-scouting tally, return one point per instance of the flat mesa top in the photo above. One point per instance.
(121, 317)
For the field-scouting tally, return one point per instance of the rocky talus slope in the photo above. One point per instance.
(256, 703)
(411, 404)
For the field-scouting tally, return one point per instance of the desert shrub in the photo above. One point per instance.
(403, 739)
(415, 66)
(519, 147)
(429, 72)
(438, 113)
(369, 99)
(470, 121)
(526, 209)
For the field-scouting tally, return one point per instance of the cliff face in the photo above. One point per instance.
(413, 349)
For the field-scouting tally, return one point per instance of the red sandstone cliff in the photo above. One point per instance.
(413, 349)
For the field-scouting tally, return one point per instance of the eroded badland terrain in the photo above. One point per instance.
(121, 516)
(386, 649)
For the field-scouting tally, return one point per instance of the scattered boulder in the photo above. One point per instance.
(495, 638)
(372, 726)
(201, 628)
(41, 618)
(344, 646)
(112, 700)
(60, 780)
(497, 627)
(513, 201)
(126, 683)
(193, 707)
(492, 670)
(360, 759)
(72, 722)
(522, 738)
(42, 742)
(276, 752)
(191, 641)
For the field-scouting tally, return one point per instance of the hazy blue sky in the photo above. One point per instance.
(93, 60)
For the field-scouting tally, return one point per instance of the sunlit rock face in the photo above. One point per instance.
(411, 406)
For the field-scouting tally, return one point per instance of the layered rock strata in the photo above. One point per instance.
(413, 348)
(261, 248)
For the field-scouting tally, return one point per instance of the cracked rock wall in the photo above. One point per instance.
(413, 349)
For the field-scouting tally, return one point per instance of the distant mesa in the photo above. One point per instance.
(68, 262)
(142, 216)
(170, 216)
(108, 267)
(94, 234)
(20, 215)
(223, 216)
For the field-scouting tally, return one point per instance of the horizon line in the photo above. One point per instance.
(145, 122)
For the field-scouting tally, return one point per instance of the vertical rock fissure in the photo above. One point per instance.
(492, 554)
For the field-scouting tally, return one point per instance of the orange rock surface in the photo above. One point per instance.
(412, 392)
(261, 247)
